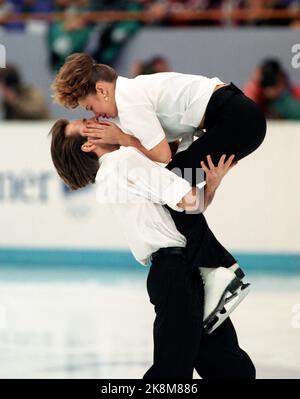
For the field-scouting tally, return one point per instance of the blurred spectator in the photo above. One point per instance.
(153, 65)
(70, 35)
(255, 5)
(7, 8)
(181, 5)
(14, 7)
(190, 5)
(34, 5)
(271, 89)
(20, 101)
(112, 39)
(159, 10)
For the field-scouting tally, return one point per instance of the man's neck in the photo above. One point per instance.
(105, 149)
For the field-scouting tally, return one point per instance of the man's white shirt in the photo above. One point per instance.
(163, 105)
(137, 188)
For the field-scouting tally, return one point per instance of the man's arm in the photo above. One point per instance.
(143, 178)
(214, 176)
(208, 197)
(150, 181)
(147, 179)
(193, 201)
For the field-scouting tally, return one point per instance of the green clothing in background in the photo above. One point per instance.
(62, 43)
(287, 106)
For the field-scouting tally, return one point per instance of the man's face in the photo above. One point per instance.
(76, 126)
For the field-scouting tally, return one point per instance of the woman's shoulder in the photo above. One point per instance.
(129, 92)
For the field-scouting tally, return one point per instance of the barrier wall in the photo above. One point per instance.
(255, 209)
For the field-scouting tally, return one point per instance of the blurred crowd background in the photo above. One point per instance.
(104, 29)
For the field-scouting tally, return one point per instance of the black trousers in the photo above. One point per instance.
(180, 344)
(234, 124)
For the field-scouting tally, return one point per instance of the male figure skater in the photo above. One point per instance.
(174, 288)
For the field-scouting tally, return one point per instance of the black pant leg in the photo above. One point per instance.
(202, 248)
(237, 128)
(176, 291)
(220, 356)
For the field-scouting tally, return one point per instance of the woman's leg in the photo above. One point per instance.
(203, 248)
(236, 127)
(239, 128)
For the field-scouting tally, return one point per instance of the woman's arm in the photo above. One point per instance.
(160, 153)
(105, 132)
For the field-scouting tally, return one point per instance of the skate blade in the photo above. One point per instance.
(233, 290)
(214, 323)
(236, 293)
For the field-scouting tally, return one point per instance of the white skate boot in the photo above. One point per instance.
(221, 286)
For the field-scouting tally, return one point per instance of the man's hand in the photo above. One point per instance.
(103, 132)
(215, 174)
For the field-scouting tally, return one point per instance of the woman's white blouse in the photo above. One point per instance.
(163, 105)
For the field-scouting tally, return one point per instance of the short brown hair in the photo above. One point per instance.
(77, 78)
(76, 167)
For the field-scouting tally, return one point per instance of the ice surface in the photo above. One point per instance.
(96, 329)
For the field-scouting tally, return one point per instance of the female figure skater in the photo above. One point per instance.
(155, 110)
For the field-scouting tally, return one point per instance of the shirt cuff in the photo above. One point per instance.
(151, 144)
(175, 192)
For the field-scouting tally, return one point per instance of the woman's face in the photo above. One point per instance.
(102, 103)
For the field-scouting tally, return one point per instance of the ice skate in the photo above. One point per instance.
(221, 286)
(221, 315)
(237, 270)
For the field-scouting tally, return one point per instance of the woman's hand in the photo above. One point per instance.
(103, 132)
(215, 174)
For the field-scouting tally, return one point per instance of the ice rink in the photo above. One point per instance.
(89, 316)
(60, 323)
